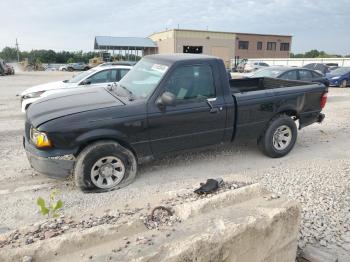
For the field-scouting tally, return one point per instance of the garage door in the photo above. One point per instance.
(223, 53)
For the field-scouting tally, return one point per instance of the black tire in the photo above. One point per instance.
(343, 84)
(86, 68)
(70, 69)
(92, 154)
(266, 140)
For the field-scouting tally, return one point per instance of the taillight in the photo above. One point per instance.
(323, 100)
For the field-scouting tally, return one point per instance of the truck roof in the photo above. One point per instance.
(172, 58)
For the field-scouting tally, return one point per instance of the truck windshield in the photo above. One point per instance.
(143, 78)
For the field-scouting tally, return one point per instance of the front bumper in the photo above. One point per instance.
(53, 166)
(334, 82)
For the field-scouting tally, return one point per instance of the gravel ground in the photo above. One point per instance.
(316, 172)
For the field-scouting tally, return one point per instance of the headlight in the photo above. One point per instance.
(39, 139)
(335, 77)
(33, 95)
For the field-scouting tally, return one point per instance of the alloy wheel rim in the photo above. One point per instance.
(282, 137)
(107, 172)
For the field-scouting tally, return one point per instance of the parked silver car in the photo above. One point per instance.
(75, 67)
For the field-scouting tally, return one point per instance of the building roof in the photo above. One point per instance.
(220, 32)
(111, 42)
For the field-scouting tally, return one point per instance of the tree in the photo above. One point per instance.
(47, 56)
(313, 54)
(9, 54)
(70, 60)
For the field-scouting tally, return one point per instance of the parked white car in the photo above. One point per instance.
(250, 67)
(99, 76)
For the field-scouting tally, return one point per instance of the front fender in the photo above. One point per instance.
(98, 134)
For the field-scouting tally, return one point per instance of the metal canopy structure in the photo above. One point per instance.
(116, 43)
(128, 47)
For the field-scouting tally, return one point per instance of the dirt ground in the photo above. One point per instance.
(326, 145)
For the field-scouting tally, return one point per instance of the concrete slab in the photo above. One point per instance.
(240, 225)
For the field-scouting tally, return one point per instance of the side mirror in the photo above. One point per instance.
(85, 82)
(166, 99)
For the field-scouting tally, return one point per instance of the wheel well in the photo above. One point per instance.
(292, 113)
(122, 143)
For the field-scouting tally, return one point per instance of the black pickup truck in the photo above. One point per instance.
(165, 104)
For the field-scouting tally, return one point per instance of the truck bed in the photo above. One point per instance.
(259, 99)
(261, 83)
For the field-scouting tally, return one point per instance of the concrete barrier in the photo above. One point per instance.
(240, 225)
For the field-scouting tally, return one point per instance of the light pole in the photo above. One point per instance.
(17, 50)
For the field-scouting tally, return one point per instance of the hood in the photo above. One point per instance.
(46, 87)
(330, 75)
(70, 102)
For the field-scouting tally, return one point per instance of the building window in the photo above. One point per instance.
(284, 47)
(259, 45)
(193, 49)
(243, 45)
(271, 46)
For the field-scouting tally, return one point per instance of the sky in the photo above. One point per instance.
(72, 24)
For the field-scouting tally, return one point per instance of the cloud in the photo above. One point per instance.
(72, 25)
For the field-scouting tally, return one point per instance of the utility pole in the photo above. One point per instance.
(17, 50)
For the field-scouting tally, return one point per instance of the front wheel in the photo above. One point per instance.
(343, 84)
(279, 137)
(104, 166)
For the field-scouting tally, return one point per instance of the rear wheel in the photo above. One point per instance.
(343, 84)
(104, 166)
(279, 137)
(70, 69)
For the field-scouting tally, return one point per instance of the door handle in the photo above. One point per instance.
(214, 110)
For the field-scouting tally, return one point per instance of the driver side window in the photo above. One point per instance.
(100, 77)
(191, 82)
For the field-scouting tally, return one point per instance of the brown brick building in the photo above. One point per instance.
(226, 45)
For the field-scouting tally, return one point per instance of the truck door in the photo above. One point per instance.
(193, 121)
